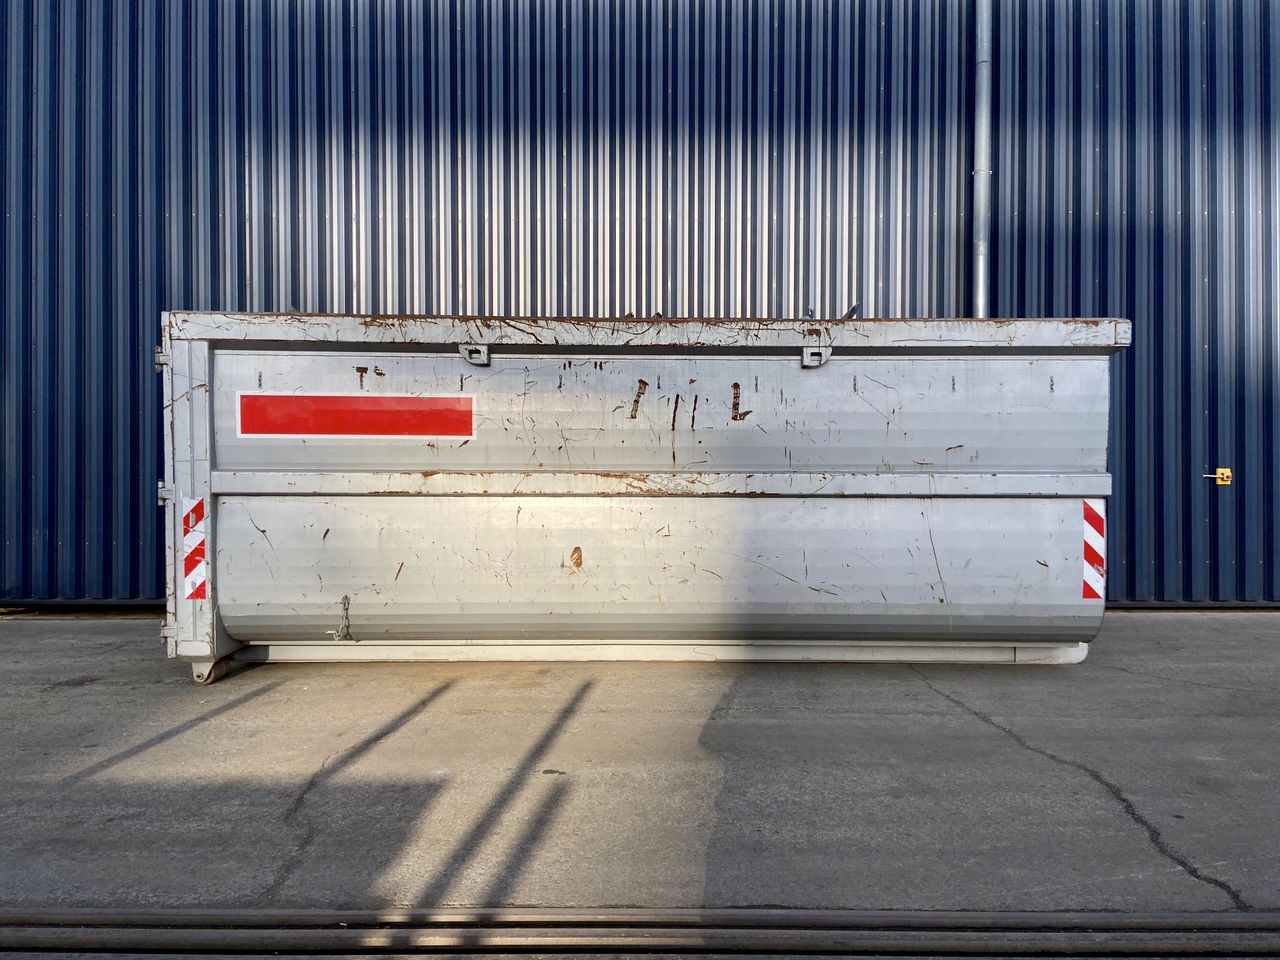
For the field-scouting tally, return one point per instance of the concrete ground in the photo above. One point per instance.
(1147, 778)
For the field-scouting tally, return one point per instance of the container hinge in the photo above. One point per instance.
(814, 356)
(164, 493)
(169, 636)
(162, 359)
(476, 354)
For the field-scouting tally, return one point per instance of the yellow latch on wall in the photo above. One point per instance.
(1221, 476)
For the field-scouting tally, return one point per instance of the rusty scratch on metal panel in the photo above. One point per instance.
(641, 386)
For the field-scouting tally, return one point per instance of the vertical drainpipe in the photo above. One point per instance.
(982, 159)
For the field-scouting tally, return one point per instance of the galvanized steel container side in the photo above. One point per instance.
(604, 158)
(650, 488)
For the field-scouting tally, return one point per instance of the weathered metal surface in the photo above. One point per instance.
(1064, 335)
(650, 488)
(722, 413)
(583, 482)
(680, 570)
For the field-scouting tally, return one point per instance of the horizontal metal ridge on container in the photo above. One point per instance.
(863, 334)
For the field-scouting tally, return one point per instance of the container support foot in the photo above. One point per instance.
(207, 671)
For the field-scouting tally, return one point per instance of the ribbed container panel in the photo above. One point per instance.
(589, 157)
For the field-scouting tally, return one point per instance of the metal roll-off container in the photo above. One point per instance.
(484, 488)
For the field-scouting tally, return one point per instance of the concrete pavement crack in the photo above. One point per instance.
(305, 839)
(334, 762)
(1154, 836)
(310, 785)
(1190, 683)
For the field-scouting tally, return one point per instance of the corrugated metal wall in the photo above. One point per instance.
(595, 157)
(1137, 158)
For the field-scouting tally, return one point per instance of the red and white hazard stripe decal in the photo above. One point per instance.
(195, 574)
(1095, 550)
(353, 415)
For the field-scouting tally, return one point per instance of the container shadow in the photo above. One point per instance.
(175, 731)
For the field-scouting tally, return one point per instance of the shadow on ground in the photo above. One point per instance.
(1143, 779)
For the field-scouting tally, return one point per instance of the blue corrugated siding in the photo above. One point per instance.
(1136, 159)
(593, 157)
(79, 434)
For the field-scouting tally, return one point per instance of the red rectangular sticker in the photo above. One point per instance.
(353, 415)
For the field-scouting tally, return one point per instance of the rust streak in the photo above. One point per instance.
(738, 412)
(641, 386)
(575, 557)
(398, 570)
(674, 410)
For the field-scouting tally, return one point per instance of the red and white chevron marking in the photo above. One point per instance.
(194, 571)
(1095, 549)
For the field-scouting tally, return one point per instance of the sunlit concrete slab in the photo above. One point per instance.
(1144, 778)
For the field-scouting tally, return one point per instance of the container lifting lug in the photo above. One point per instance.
(814, 356)
(476, 354)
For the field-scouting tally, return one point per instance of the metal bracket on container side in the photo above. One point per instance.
(162, 359)
(814, 356)
(476, 354)
(164, 493)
